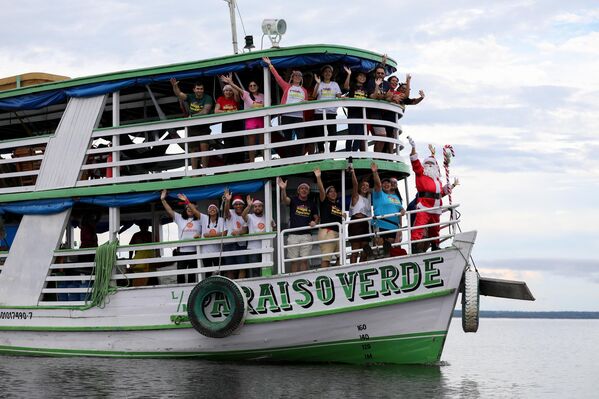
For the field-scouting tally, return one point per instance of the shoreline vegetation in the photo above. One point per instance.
(507, 314)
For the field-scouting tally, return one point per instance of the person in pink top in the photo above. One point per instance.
(293, 93)
(251, 98)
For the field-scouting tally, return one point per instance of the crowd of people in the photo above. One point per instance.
(299, 87)
(375, 218)
(246, 217)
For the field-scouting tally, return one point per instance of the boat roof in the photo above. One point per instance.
(42, 95)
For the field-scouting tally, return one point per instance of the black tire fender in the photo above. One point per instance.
(235, 298)
(470, 301)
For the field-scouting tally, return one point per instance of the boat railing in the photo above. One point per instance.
(20, 162)
(150, 159)
(451, 224)
(345, 250)
(339, 254)
(69, 276)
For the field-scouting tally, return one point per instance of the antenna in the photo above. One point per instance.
(232, 6)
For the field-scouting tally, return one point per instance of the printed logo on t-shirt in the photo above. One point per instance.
(261, 226)
(359, 93)
(189, 225)
(335, 211)
(229, 108)
(394, 200)
(296, 93)
(238, 224)
(303, 210)
(327, 93)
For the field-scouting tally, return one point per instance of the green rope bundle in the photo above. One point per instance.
(103, 266)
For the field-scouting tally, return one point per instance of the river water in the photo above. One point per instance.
(507, 358)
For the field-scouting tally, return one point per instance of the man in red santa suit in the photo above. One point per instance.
(430, 191)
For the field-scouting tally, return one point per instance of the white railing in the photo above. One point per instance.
(344, 239)
(20, 163)
(339, 254)
(121, 273)
(162, 166)
(168, 263)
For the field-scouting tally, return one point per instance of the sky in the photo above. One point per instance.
(511, 85)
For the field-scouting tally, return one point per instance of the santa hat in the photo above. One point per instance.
(303, 184)
(257, 202)
(430, 159)
(213, 205)
(238, 200)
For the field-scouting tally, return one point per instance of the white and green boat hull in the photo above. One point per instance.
(394, 310)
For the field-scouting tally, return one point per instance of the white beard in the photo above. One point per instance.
(432, 171)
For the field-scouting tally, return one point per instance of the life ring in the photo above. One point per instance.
(200, 296)
(470, 301)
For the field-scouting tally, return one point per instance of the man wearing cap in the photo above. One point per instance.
(430, 191)
(326, 89)
(385, 201)
(235, 226)
(303, 213)
(256, 223)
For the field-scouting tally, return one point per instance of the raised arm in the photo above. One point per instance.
(283, 187)
(250, 203)
(318, 174)
(165, 204)
(316, 86)
(238, 90)
(378, 186)
(418, 100)
(377, 94)
(176, 90)
(408, 81)
(280, 81)
(190, 204)
(355, 194)
(347, 78)
(227, 194)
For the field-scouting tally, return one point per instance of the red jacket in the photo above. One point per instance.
(428, 186)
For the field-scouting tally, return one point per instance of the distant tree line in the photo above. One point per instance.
(499, 314)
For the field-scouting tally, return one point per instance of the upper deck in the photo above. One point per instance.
(120, 132)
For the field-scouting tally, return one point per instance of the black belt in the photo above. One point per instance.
(429, 195)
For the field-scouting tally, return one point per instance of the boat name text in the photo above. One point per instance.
(361, 285)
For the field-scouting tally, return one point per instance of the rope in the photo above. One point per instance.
(103, 266)
(448, 152)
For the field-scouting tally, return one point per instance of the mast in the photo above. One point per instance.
(232, 6)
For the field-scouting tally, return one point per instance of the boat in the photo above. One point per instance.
(107, 145)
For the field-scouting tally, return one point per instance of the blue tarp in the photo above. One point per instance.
(50, 206)
(46, 98)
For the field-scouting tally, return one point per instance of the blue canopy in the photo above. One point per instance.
(46, 98)
(50, 206)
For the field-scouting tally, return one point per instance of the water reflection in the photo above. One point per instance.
(137, 378)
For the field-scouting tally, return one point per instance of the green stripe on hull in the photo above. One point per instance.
(403, 349)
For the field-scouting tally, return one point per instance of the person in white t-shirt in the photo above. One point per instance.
(235, 226)
(212, 226)
(189, 228)
(256, 223)
(326, 89)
